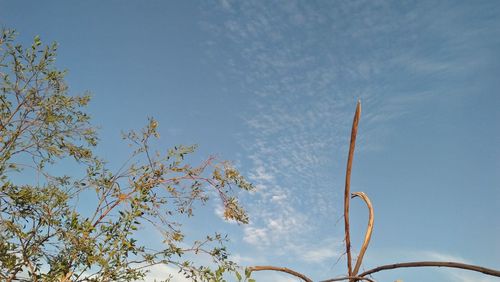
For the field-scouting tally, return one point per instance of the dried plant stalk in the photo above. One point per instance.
(368, 233)
(353, 276)
(281, 269)
(67, 277)
(347, 191)
(471, 267)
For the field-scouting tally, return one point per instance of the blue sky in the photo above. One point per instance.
(272, 86)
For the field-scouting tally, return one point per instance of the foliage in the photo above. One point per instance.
(45, 234)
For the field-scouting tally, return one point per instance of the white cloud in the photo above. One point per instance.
(434, 255)
(256, 236)
(162, 272)
(320, 251)
(225, 4)
(305, 68)
(320, 254)
(278, 198)
(260, 174)
(247, 260)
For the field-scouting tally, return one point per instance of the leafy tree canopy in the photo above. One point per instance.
(45, 235)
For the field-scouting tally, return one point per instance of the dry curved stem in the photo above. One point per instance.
(464, 266)
(352, 274)
(359, 278)
(281, 269)
(347, 192)
(67, 276)
(369, 230)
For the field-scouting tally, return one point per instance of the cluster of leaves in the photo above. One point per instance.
(45, 235)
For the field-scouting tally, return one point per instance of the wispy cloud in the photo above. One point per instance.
(321, 252)
(454, 274)
(302, 67)
(248, 260)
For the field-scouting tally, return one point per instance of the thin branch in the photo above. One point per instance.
(282, 269)
(347, 192)
(369, 230)
(67, 276)
(349, 278)
(476, 268)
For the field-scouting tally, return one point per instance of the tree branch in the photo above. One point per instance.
(282, 269)
(470, 267)
(349, 278)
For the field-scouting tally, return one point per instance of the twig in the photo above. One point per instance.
(282, 269)
(349, 278)
(347, 192)
(476, 268)
(369, 230)
(67, 276)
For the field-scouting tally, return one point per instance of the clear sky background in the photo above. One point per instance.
(272, 86)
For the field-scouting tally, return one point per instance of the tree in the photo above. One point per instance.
(45, 235)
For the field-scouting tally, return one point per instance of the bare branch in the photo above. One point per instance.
(470, 267)
(349, 278)
(281, 269)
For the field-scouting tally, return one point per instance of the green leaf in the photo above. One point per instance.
(37, 42)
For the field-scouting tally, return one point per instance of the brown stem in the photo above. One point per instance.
(476, 268)
(282, 269)
(66, 277)
(369, 230)
(347, 192)
(349, 278)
